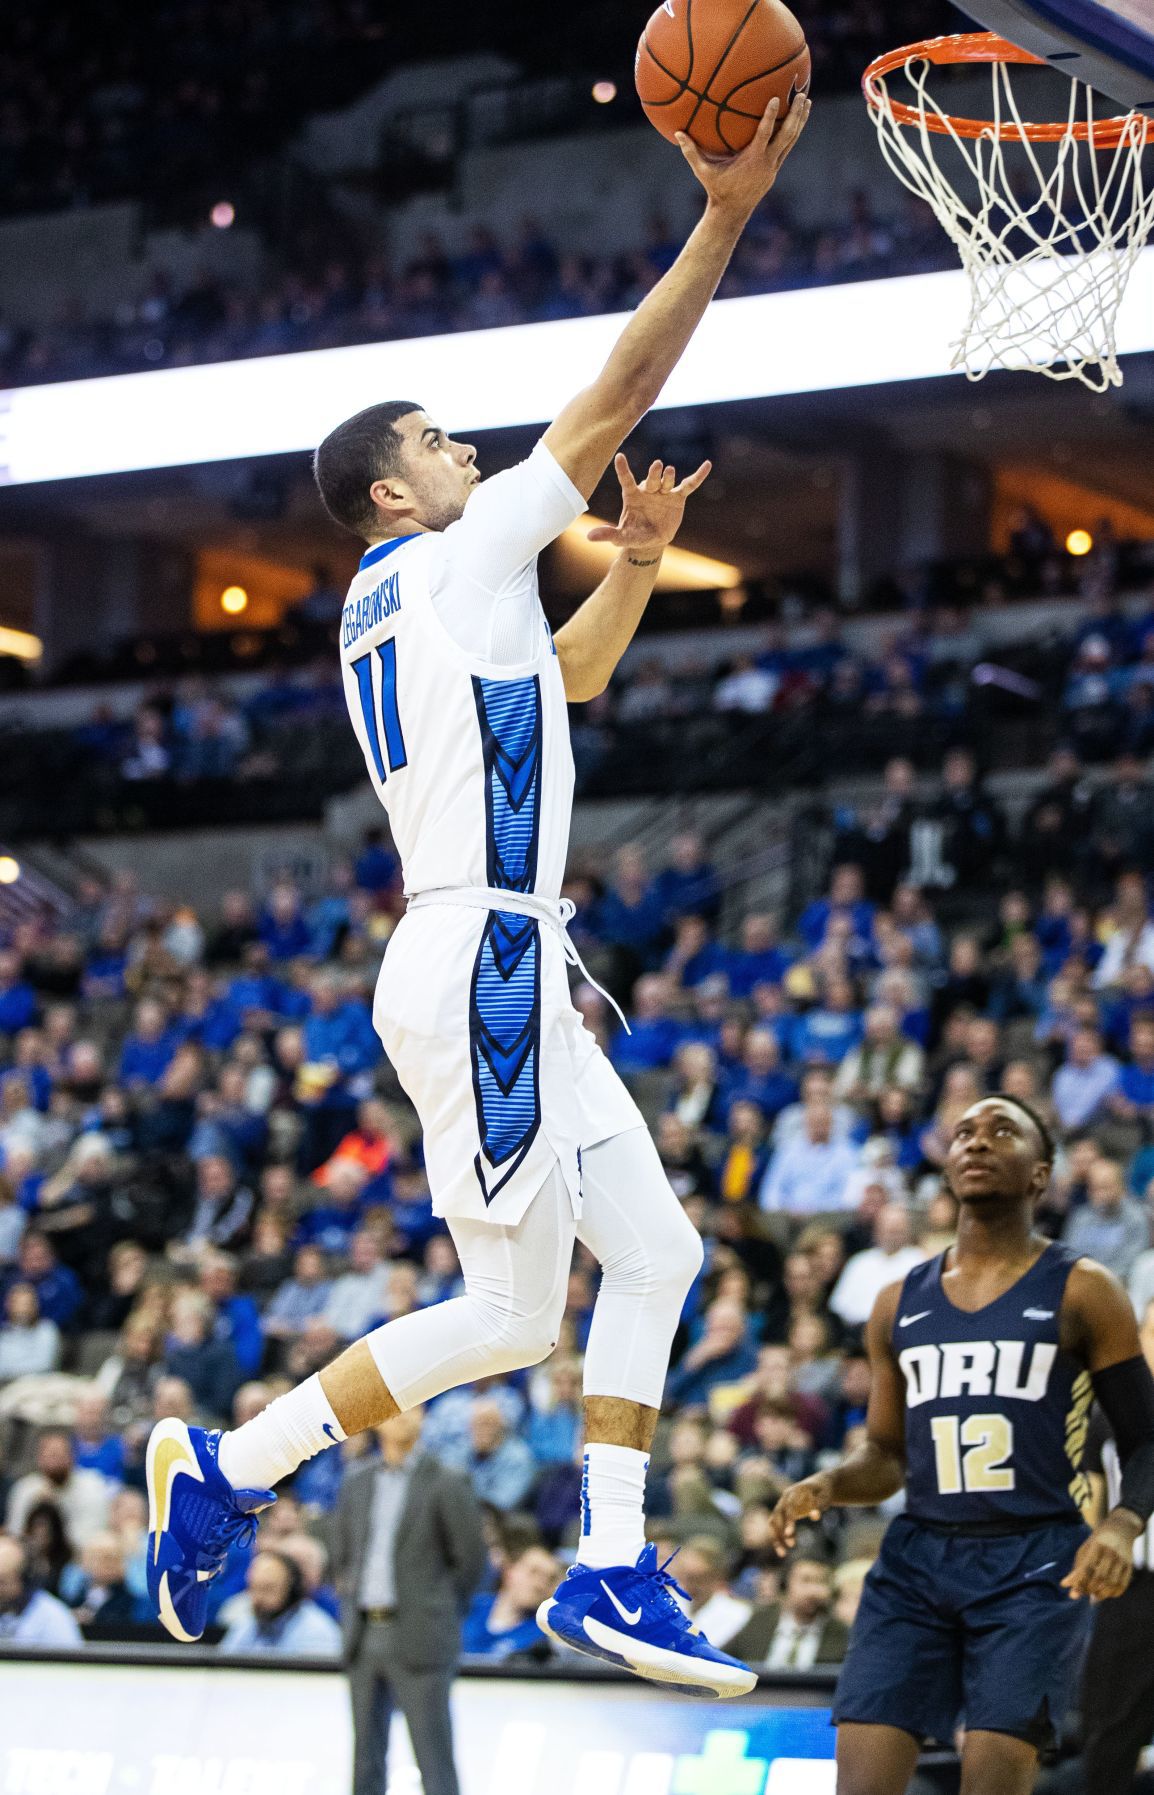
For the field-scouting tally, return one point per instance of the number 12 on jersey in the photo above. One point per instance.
(989, 1442)
(390, 716)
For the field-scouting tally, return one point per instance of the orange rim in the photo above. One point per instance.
(982, 46)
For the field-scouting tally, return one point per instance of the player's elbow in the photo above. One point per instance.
(582, 680)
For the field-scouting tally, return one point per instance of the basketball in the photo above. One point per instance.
(710, 69)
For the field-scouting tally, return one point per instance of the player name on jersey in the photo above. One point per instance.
(361, 614)
(977, 1368)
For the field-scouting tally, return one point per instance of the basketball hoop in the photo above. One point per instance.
(1047, 267)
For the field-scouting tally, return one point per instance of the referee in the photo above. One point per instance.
(1118, 1681)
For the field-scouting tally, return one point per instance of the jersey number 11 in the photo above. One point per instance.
(390, 716)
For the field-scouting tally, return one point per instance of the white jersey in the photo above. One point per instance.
(456, 696)
(470, 756)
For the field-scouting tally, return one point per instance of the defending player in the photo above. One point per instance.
(985, 1362)
(458, 696)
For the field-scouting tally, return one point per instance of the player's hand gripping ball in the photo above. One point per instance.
(710, 68)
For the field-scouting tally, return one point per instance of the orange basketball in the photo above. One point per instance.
(711, 67)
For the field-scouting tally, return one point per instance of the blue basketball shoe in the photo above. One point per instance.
(194, 1516)
(630, 1615)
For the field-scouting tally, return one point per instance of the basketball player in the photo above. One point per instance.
(985, 1362)
(458, 696)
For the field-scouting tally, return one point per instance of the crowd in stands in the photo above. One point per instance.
(478, 286)
(105, 102)
(1089, 677)
(210, 1182)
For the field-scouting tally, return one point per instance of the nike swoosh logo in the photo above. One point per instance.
(1042, 1567)
(328, 1429)
(907, 1321)
(1038, 1314)
(172, 1458)
(630, 1620)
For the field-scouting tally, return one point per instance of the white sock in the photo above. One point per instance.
(612, 1505)
(270, 1446)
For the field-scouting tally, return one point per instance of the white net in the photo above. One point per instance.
(1048, 233)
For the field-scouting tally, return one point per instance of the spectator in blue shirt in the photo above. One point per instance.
(846, 899)
(695, 956)
(760, 1078)
(759, 960)
(227, 1124)
(376, 867)
(723, 1355)
(282, 1619)
(106, 964)
(18, 1006)
(329, 917)
(828, 1032)
(236, 1318)
(207, 1366)
(504, 1624)
(654, 1034)
(689, 885)
(255, 994)
(339, 1030)
(338, 1211)
(148, 1049)
(58, 1290)
(499, 1463)
(300, 1299)
(340, 1048)
(282, 928)
(629, 916)
(1082, 1087)
(1133, 1095)
(206, 1015)
(94, 1446)
(555, 1424)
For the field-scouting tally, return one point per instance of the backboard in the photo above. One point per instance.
(1108, 44)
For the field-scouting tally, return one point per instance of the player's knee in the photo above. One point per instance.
(676, 1259)
(662, 1266)
(518, 1341)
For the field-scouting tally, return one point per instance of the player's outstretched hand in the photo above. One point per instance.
(1105, 1561)
(805, 1501)
(739, 183)
(651, 513)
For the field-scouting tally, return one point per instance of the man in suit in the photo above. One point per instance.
(408, 1553)
(799, 1631)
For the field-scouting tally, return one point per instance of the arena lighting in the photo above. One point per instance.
(1079, 542)
(234, 600)
(682, 569)
(9, 870)
(604, 92)
(223, 214)
(20, 644)
(817, 339)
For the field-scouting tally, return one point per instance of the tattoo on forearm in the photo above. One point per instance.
(634, 562)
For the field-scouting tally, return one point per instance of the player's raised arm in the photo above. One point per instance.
(584, 437)
(1105, 1337)
(590, 645)
(877, 1468)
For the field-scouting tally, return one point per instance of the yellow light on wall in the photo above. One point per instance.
(9, 870)
(234, 600)
(682, 569)
(1079, 542)
(19, 643)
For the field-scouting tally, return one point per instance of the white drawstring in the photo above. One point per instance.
(557, 912)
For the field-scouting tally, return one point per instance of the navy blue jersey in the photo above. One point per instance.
(996, 1412)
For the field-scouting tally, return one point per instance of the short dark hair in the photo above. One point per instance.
(1044, 1135)
(362, 449)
